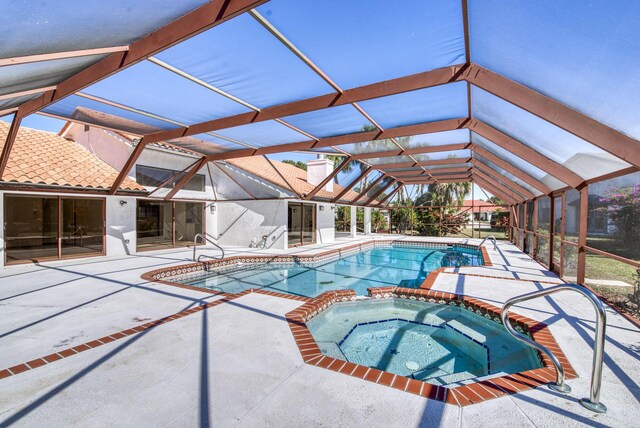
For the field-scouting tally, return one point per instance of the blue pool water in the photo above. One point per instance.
(378, 267)
(432, 342)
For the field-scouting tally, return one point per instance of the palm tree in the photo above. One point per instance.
(445, 194)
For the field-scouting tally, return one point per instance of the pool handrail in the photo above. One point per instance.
(205, 240)
(593, 402)
(491, 237)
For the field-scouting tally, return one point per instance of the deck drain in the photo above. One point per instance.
(412, 365)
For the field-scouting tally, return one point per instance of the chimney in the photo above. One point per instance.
(318, 170)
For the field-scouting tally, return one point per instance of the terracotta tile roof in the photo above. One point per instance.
(297, 178)
(39, 157)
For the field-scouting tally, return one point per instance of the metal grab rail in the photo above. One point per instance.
(493, 238)
(205, 239)
(593, 403)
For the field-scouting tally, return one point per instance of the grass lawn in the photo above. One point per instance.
(622, 297)
(601, 267)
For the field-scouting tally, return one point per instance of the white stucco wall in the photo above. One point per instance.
(238, 223)
(121, 226)
(326, 225)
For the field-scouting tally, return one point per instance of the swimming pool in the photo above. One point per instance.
(388, 265)
(432, 342)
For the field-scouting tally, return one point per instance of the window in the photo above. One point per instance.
(154, 177)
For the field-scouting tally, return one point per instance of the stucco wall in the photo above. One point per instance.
(104, 144)
(121, 226)
(326, 226)
(238, 223)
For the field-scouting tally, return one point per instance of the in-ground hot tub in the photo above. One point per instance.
(440, 345)
(432, 342)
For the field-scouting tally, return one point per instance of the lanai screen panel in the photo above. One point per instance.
(504, 173)
(350, 173)
(555, 143)
(361, 188)
(423, 105)
(84, 110)
(44, 27)
(499, 179)
(224, 187)
(519, 163)
(437, 156)
(34, 75)
(242, 183)
(583, 54)
(375, 189)
(457, 136)
(347, 38)
(448, 165)
(332, 121)
(370, 147)
(58, 27)
(263, 134)
(206, 144)
(243, 59)
(389, 161)
(156, 90)
(9, 103)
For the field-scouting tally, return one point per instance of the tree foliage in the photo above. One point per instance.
(299, 164)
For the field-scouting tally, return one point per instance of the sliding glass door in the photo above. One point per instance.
(301, 224)
(154, 224)
(82, 227)
(167, 224)
(188, 222)
(52, 227)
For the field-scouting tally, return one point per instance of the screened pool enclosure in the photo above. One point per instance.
(534, 102)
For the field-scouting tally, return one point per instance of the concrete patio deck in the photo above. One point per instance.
(236, 363)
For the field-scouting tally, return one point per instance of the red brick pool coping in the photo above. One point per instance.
(461, 395)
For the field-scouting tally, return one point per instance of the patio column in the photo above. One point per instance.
(352, 228)
(582, 235)
(367, 221)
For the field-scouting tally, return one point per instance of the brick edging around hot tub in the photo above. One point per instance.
(461, 395)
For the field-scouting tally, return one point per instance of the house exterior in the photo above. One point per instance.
(56, 200)
(481, 210)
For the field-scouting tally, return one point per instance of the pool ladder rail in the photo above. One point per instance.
(205, 240)
(491, 237)
(593, 402)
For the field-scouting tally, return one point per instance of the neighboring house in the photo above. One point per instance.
(482, 210)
